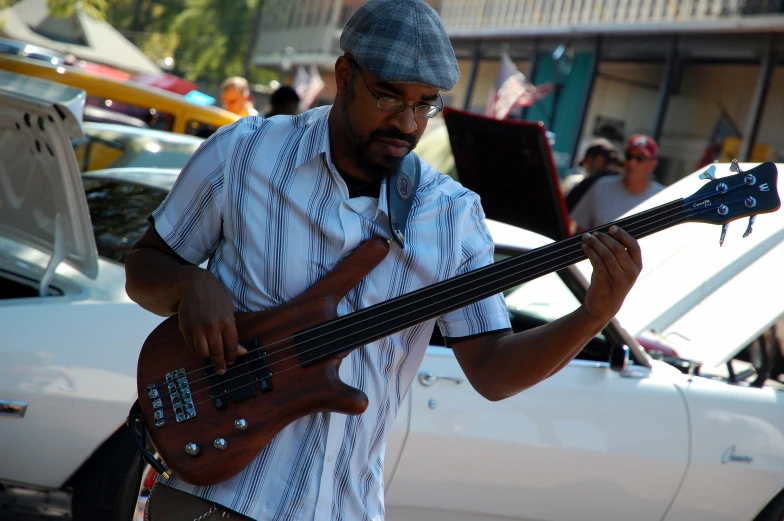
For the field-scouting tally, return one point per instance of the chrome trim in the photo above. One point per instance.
(13, 408)
(730, 456)
(427, 378)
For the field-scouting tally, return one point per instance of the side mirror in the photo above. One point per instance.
(619, 358)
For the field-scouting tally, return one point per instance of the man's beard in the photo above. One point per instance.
(370, 164)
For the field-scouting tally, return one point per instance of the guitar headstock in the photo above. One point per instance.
(744, 194)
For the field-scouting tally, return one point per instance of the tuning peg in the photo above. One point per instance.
(723, 234)
(735, 167)
(748, 228)
(709, 174)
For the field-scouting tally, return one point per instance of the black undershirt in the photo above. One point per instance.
(360, 187)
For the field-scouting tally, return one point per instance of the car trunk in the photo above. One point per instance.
(44, 220)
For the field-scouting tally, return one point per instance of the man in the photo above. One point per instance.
(236, 98)
(275, 203)
(284, 100)
(601, 159)
(612, 196)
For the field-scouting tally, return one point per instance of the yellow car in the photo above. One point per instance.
(126, 101)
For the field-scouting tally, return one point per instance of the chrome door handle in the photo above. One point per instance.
(427, 379)
(11, 408)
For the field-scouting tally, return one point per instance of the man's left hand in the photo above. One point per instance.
(616, 261)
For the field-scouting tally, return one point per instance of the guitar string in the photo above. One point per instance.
(627, 225)
(663, 210)
(293, 346)
(685, 217)
(574, 240)
(684, 202)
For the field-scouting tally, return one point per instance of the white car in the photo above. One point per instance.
(70, 335)
(614, 435)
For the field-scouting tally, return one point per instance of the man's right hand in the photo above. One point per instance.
(206, 315)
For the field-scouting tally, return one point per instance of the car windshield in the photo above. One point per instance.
(119, 212)
(546, 298)
(103, 149)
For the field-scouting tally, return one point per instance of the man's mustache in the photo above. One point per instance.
(390, 133)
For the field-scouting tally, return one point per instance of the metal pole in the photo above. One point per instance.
(590, 80)
(665, 88)
(472, 76)
(758, 99)
(533, 67)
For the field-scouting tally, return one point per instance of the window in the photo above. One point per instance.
(199, 128)
(119, 212)
(540, 301)
(151, 116)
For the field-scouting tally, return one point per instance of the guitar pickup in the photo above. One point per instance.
(259, 366)
(217, 392)
(238, 381)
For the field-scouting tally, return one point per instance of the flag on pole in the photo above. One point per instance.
(308, 84)
(512, 89)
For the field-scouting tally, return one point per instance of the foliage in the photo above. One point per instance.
(65, 8)
(208, 39)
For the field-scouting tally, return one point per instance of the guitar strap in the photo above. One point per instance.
(401, 189)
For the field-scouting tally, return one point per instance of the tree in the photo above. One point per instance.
(65, 8)
(208, 39)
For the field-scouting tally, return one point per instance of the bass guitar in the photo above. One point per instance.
(207, 427)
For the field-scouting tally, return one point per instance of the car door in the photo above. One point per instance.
(591, 442)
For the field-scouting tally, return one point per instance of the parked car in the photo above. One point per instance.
(614, 435)
(19, 48)
(156, 108)
(115, 146)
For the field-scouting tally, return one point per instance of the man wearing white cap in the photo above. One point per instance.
(275, 204)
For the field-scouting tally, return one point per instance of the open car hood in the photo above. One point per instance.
(708, 302)
(42, 202)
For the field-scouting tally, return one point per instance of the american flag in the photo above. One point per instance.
(512, 89)
(308, 84)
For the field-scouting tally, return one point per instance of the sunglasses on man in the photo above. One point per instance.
(637, 157)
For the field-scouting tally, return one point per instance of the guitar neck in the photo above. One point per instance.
(383, 319)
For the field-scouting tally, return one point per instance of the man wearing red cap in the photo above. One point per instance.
(612, 196)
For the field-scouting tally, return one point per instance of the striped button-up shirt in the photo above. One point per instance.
(263, 202)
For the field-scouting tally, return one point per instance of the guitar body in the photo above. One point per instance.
(296, 391)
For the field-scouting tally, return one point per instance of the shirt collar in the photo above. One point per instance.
(315, 139)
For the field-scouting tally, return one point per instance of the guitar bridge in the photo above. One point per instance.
(180, 396)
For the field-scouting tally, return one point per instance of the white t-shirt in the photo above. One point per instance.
(607, 200)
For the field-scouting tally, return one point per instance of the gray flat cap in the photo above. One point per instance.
(401, 41)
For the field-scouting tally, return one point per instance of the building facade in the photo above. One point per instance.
(704, 77)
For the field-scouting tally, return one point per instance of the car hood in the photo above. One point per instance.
(707, 301)
(42, 202)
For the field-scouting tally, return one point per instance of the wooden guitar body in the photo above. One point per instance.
(296, 391)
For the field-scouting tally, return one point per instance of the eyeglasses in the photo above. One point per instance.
(394, 105)
(640, 159)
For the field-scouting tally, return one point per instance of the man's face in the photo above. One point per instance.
(594, 164)
(233, 100)
(380, 139)
(637, 164)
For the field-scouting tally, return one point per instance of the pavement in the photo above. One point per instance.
(22, 504)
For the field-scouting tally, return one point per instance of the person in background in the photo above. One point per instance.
(284, 100)
(613, 195)
(235, 96)
(601, 159)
